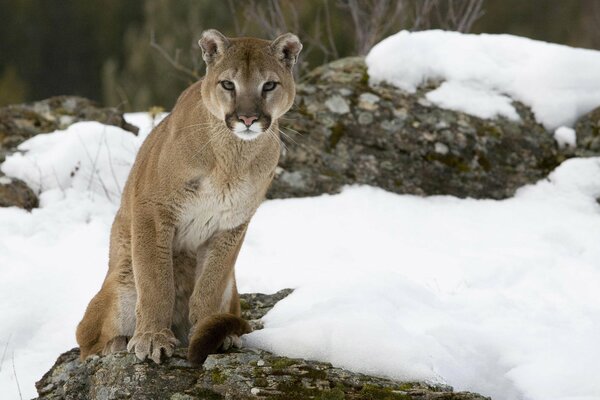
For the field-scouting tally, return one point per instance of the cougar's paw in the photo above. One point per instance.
(152, 344)
(231, 341)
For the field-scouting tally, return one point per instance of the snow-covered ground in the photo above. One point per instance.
(498, 297)
(559, 83)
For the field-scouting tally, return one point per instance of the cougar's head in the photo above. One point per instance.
(249, 82)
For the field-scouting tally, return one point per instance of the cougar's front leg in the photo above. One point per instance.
(215, 286)
(152, 264)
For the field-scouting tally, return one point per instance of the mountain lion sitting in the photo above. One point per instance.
(197, 180)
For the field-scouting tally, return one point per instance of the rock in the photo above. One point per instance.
(19, 122)
(234, 375)
(241, 374)
(22, 121)
(587, 129)
(15, 193)
(337, 104)
(342, 130)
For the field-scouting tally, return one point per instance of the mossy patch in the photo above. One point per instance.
(245, 305)
(313, 373)
(490, 131)
(370, 392)
(334, 394)
(217, 377)
(449, 160)
(282, 363)
(261, 382)
(337, 131)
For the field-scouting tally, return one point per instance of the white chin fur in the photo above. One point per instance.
(245, 133)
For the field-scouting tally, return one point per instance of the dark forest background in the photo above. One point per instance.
(135, 54)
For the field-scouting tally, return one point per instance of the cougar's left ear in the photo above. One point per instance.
(286, 48)
(213, 44)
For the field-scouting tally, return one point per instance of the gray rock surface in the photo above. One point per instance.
(587, 129)
(342, 130)
(15, 193)
(242, 374)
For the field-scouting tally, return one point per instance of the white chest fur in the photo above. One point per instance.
(214, 208)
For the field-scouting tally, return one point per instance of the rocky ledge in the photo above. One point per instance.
(243, 374)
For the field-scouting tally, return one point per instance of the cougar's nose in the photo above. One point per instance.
(247, 120)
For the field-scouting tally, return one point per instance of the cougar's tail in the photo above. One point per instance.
(211, 333)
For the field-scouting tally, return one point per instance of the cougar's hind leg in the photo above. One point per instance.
(184, 266)
(97, 327)
(124, 319)
(109, 321)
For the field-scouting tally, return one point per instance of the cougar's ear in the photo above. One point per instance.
(286, 48)
(213, 44)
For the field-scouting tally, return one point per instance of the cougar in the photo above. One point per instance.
(196, 182)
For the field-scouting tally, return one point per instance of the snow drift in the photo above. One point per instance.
(559, 83)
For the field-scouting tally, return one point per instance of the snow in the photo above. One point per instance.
(565, 137)
(477, 101)
(498, 297)
(559, 83)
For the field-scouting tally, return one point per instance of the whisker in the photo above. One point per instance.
(193, 126)
(293, 130)
(274, 135)
(288, 137)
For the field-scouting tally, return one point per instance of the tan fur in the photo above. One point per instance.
(186, 205)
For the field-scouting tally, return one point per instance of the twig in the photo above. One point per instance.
(112, 170)
(174, 62)
(57, 180)
(15, 375)
(4, 352)
(95, 170)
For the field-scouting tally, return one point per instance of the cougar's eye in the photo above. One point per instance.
(227, 85)
(268, 86)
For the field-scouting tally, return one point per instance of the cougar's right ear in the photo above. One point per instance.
(213, 43)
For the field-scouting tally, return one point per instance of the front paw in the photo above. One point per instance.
(152, 344)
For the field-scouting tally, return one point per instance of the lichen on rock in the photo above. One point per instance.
(241, 374)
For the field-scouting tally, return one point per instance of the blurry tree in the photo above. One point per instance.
(12, 88)
(372, 19)
(139, 53)
(452, 15)
(162, 57)
(59, 46)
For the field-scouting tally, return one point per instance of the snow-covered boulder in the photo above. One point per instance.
(20, 122)
(345, 129)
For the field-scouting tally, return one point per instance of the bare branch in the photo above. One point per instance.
(15, 375)
(173, 61)
(455, 15)
(4, 351)
(372, 19)
(329, 31)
